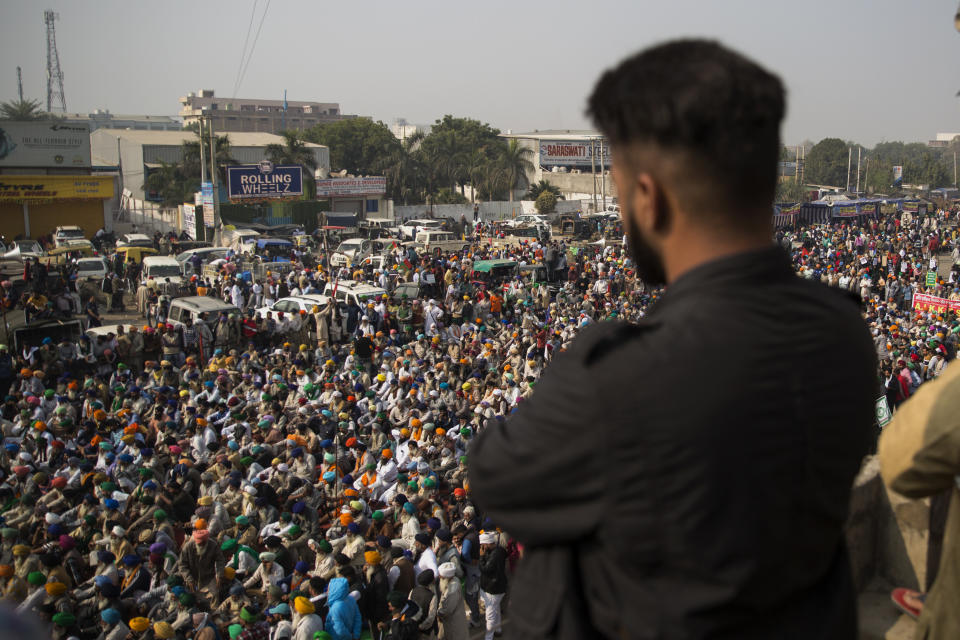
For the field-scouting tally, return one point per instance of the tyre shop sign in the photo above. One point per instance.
(265, 181)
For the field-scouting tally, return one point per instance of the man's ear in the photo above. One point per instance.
(651, 206)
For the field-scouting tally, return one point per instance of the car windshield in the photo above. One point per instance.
(163, 271)
(94, 264)
(71, 233)
(349, 245)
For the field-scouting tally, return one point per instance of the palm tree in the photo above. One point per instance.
(21, 110)
(295, 151)
(516, 164)
(406, 175)
(540, 187)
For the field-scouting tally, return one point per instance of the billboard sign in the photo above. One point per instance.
(44, 144)
(265, 180)
(47, 189)
(340, 187)
(190, 220)
(897, 174)
(572, 153)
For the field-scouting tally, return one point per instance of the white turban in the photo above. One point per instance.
(447, 570)
(488, 538)
(118, 531)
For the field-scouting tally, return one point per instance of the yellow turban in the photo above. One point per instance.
(21, 550)
(372, 557)
(163, 630)
(55, 588)
(303, 606)
(139, 624)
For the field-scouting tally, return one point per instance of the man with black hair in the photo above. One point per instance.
(712, 501)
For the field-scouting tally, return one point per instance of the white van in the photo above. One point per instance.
(432, 241)
(161, 268)
(192, 306)
(350, 290)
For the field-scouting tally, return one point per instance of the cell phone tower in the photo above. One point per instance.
(54, 74)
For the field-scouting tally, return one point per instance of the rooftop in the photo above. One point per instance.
(556, 134)
(176, 138)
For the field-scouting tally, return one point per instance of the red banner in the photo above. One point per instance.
(925, 302)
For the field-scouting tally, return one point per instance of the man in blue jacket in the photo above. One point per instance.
(343, 619)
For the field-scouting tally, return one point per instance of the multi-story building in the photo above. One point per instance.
(267, 116)
(103, 119)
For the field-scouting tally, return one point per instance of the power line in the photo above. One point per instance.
(243, 54)
(254, 45)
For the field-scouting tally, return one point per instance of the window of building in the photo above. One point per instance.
(373, 206)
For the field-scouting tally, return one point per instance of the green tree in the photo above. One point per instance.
(516, 164)
(356, 144)
(176, 183)
(295, 151)
(448, 196)
(21, 110)
(827, 163)
(790, 191)
(546, 203)
(169, 184)
(539, 187)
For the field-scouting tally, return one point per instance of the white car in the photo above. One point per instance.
(135, 240)
(91, 269)
(411, 228)
(293, 305)
(68, 232)
(24, 249)
(354, 250)
(350, 291)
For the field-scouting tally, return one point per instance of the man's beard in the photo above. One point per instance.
(648, 261)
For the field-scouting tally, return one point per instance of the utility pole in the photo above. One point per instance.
(796, 168)
(603, 177)
(203, 169)
(593, 169)
(213, 179)
(859, 149)
(954, 166)
(849, 161)
(20, 84)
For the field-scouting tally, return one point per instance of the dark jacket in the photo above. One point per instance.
(493, 570)
(689, 476)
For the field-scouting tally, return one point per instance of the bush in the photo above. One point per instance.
(546, 203)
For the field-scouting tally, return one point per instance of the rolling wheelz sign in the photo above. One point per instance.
(265, 180)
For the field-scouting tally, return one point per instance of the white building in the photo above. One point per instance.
(246, 114)
(139, 152)
(103, 119)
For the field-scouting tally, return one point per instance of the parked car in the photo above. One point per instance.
(295, 304)
(431, 241)
(193, 306)
(25, 248)
(349, 290)
(134, 240)
(67, 232)
(91, 269)
(411, 228)
(161, 268)
(353, 251)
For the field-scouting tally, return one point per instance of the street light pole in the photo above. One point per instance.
(217, 234)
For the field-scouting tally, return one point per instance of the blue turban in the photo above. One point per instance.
(110, 616)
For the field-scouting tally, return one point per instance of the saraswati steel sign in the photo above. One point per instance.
(265, 180)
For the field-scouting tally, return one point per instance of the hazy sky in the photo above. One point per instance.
(864, 70)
